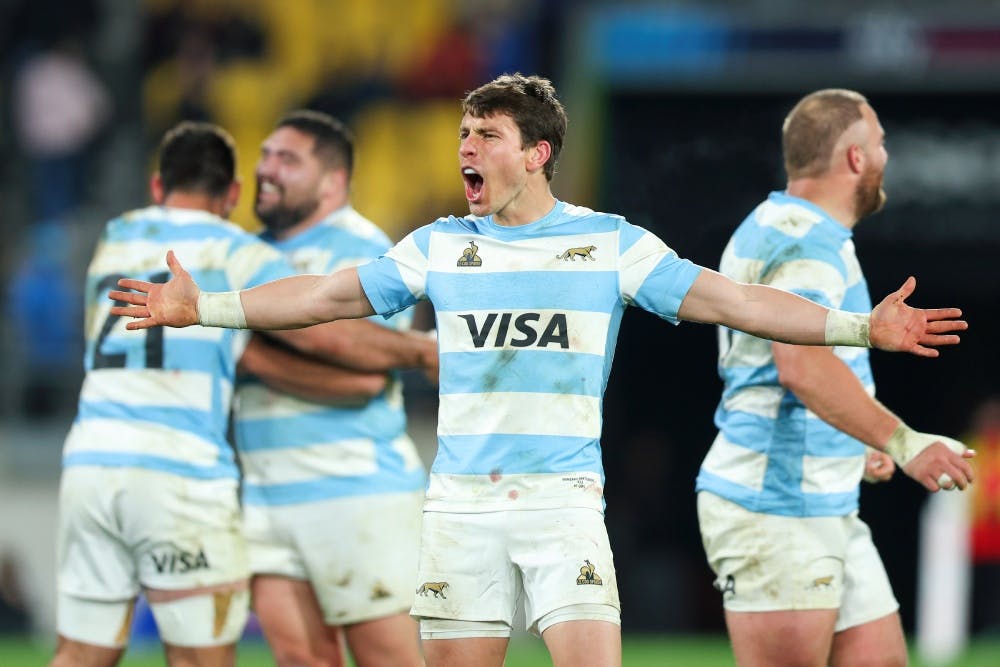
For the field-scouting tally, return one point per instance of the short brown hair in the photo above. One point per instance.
(333, 141)
(531, 102)
(812, 129)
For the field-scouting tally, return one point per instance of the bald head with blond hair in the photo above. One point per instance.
(812, 128)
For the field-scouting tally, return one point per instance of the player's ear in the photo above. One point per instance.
(334, 183)
(156, 188)
(856, 158)
(539, 154)
(232, 197)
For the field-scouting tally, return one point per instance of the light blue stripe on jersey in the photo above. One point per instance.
(309, 428)
(333, 487)
(484, 454)
(160, 464)
(776, 501)
(782, 230)
(182, 419)
(519, 290)
(531, 371)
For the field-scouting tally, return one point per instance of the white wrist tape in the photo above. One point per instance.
(221, 309)
(845, 328)
(905, 444)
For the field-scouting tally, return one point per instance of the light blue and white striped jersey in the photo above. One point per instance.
(527, 321)
(294, 451)
(159, 398)
(772, 454)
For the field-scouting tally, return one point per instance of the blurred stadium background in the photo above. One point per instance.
(675, 109)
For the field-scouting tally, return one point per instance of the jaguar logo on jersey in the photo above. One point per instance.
(588, 576)
(822, 582)
(171, 559)
(584, 252)
(525, 332)
(435, 587)
(469, 256)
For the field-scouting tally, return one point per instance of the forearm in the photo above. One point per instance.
(834, 393)
(767, 312)
(364, 346)
(310, 379)
(301, 301)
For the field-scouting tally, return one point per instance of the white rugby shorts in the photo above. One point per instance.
(125, 528)
(769, 562)
(359, 552)
(474, 567)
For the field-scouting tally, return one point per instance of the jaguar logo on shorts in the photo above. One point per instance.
(822, 582)
(435, 587)
(588, 575)
(469, 256)
(170, 559)
(729, 589)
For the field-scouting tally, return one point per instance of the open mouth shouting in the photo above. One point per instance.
(473, 185)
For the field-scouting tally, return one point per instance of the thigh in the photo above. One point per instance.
(779, 638)
(875, 643)
(464, 571)
(184, 533)
(766, 562)
(478, 651)
(565, 560)
(584, 644)
(292, 621)
(389, 641)
(93, 560)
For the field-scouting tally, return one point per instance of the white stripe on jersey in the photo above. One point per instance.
(245, 262)
(412, 265)
(523, 491)
(589, 330)
(119, 436)
(322, 459)
(135, 256)
(138, 386)
(638, 261)
(520, 414)
(257, 401)
(446, 249)
(763, 401)
(790, 218)
(808, 275)
(831, 474)
(735, 463)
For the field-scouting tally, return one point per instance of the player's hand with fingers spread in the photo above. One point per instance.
(173, 304)
(897, 327)
(936, 461)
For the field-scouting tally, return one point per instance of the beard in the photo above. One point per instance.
(281, 216)
(869, 196)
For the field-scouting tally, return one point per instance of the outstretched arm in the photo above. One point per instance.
(767, 312)
(284, 307)
(833, 393)
(289, 303)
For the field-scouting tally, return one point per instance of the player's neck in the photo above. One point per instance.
(837, 202)
(530, 205)
(196, 201)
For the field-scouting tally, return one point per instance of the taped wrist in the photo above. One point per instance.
(845, 328)
(221, 309)
(905, 444)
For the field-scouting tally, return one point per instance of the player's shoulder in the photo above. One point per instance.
(794, 218)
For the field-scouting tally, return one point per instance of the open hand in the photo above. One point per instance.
(172, 304)
(897, 327)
